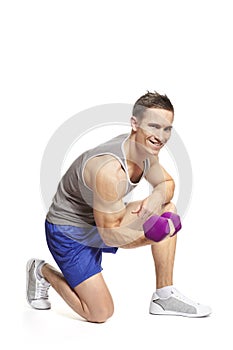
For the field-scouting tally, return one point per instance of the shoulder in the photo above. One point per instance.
(108, 167)
(104, 165)
(104, 175)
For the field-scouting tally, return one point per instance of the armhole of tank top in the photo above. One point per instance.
(146, 164)
(97, 155)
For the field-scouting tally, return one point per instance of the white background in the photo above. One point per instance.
(61, 57)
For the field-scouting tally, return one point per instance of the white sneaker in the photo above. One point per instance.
(37, 287)
(177, 304)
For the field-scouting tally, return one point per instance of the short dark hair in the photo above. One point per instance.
(151, 100)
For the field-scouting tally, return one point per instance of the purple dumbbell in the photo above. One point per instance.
(156, 228)
(175, 219)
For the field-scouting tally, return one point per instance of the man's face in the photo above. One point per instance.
(154, 130)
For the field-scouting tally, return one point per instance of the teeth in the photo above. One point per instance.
(154, 142)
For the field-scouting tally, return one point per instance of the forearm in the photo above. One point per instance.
(164, 192)
(123, 237)
(120, 236)
(126, 230)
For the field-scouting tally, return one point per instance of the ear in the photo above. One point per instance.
(134, 123)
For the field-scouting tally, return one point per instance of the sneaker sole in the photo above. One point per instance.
(173, 313)
(28, 267)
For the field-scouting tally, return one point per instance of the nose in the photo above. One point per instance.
(160, 135)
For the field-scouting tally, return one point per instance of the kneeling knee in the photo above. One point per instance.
(170, 207)
(101, 316)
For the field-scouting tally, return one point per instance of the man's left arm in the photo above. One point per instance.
(163, 191)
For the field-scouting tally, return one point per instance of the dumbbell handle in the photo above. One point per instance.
(175, 220)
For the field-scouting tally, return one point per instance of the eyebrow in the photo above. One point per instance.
(158, 125)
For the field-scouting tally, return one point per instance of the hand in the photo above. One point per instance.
(149, 206)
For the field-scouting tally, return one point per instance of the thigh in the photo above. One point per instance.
(76, 261)
(95, 297)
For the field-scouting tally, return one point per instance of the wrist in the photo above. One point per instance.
(158, 197)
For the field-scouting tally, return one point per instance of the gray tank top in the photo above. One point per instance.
(72, 203)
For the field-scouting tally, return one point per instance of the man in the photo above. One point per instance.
(89, 216)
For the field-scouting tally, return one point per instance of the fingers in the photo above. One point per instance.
(137, 210)
(142, 212)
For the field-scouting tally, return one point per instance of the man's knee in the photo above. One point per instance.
(101, 315)
(169, 207)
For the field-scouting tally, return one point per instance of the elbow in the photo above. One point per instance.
(170, 185)
(109, 235)
(173, 186)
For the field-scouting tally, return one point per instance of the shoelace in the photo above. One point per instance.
(42, 290)
(182, 297)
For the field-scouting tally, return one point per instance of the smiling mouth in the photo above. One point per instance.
(156, 143)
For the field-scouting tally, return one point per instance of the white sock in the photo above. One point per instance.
(164, 292)
(38, 270)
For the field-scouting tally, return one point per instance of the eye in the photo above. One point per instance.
(168, 129)
(155, 126)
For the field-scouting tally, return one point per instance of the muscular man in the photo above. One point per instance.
(89, 216)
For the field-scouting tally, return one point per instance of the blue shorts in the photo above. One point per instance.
(77, 261)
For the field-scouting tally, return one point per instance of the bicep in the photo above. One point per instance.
(109, 211)
(108, 191)
(110, 219)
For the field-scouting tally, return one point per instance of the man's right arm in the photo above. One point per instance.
(115, 223)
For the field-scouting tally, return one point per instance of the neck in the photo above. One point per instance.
(134, 152)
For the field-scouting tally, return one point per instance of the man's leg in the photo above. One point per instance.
(164, 255)
(91, 299)
(169, 301)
